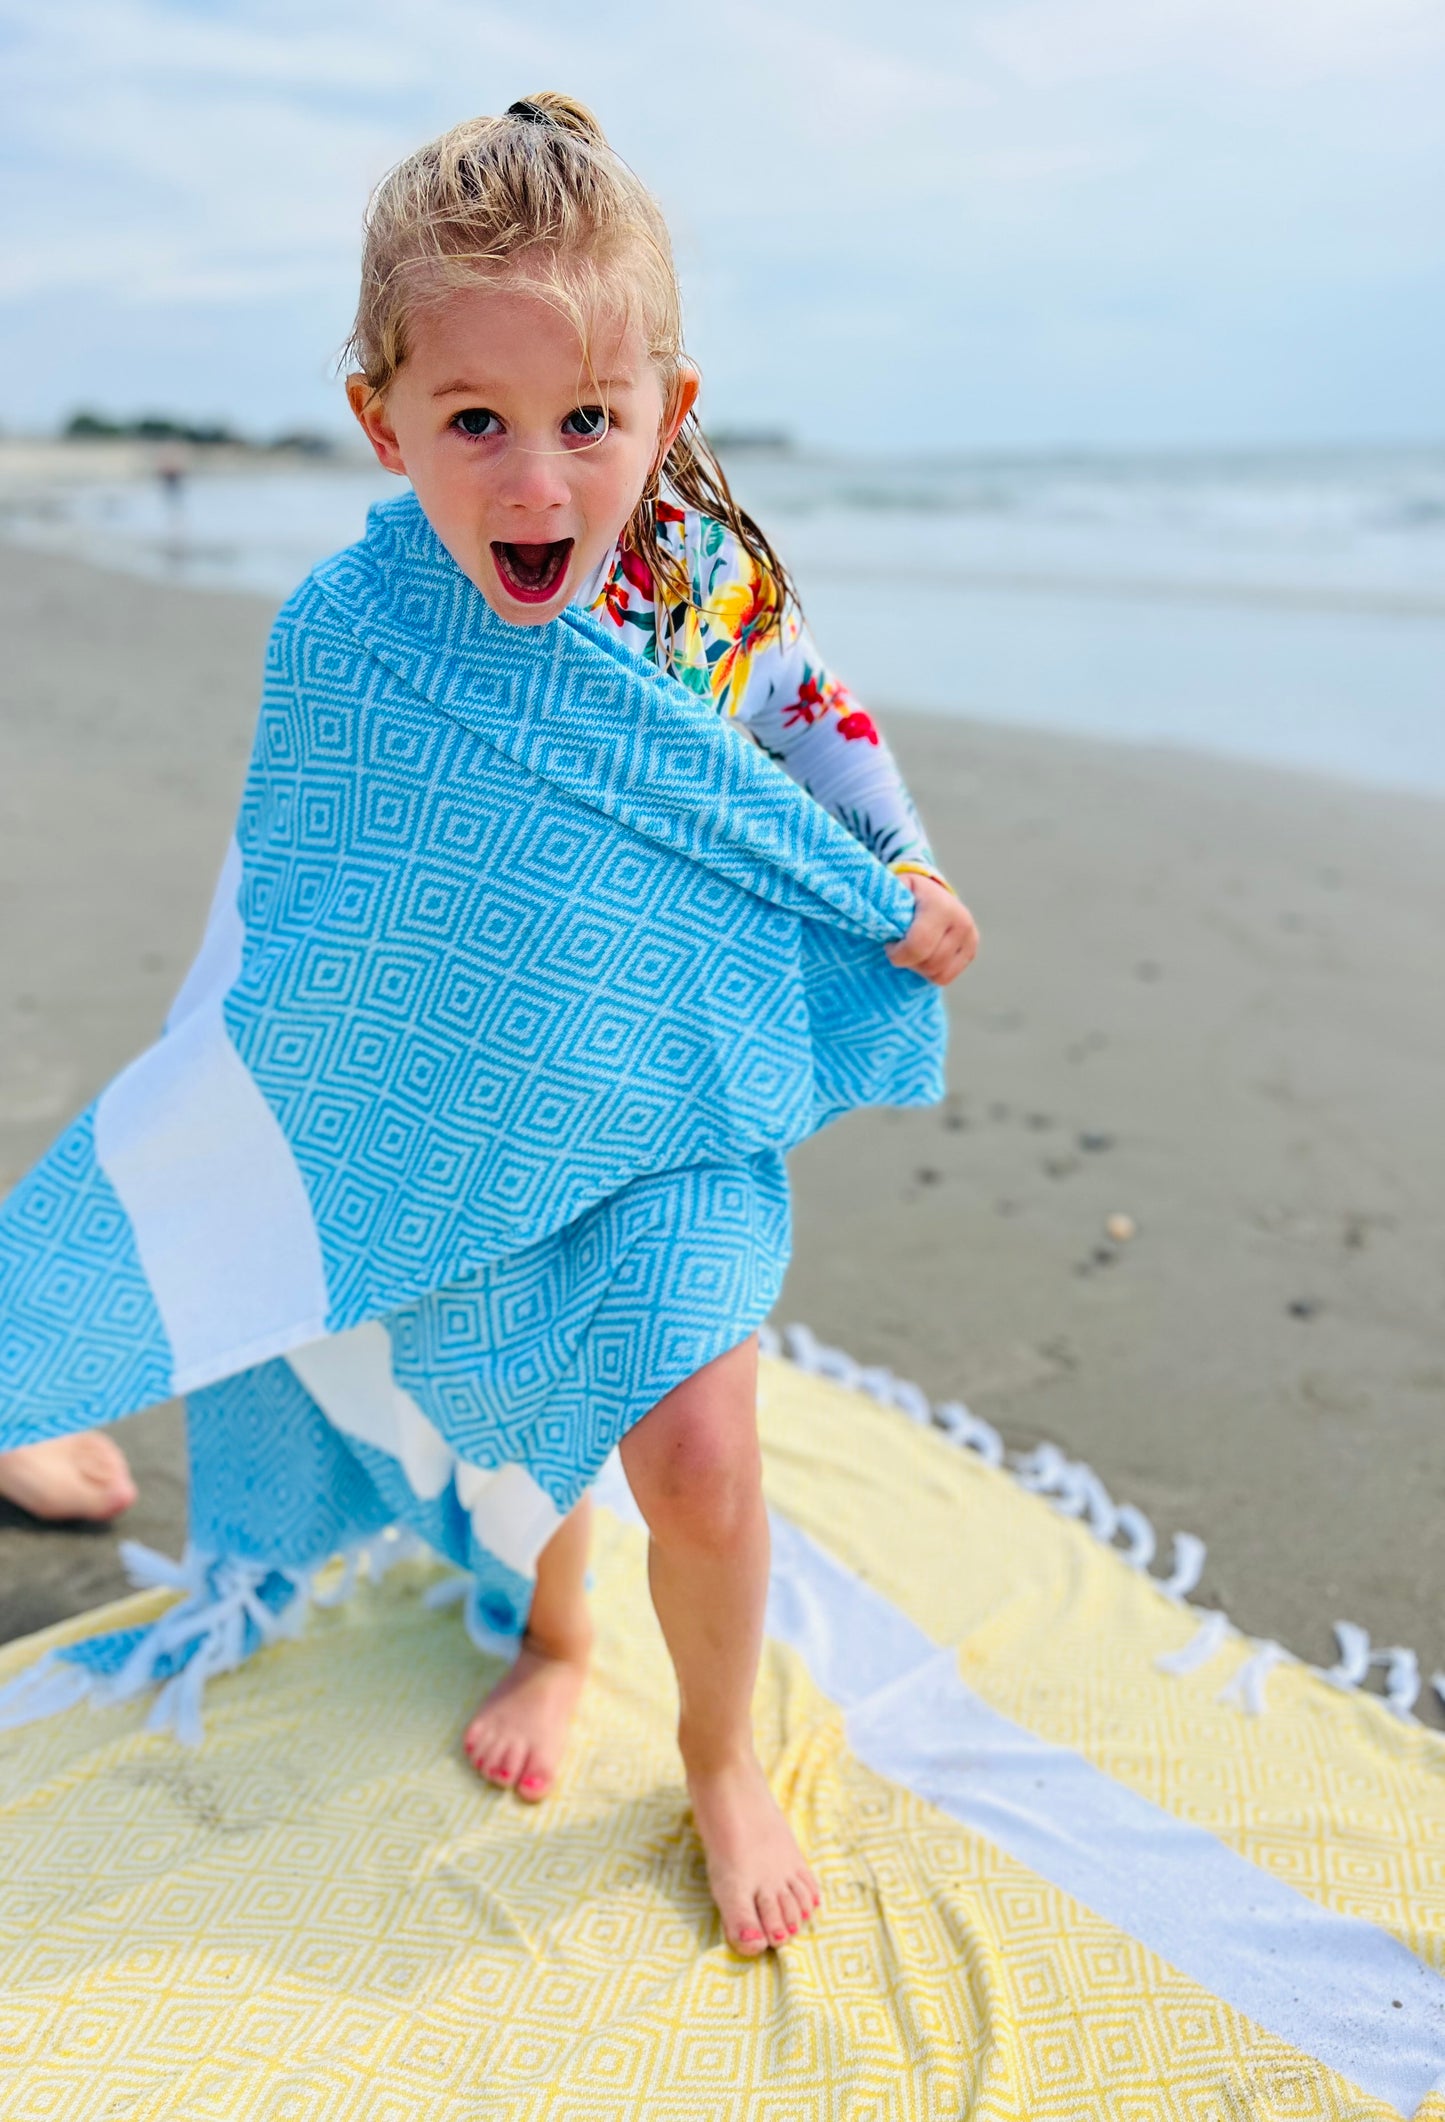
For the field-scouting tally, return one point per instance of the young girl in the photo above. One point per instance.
(519, 359)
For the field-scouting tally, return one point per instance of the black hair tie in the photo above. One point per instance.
(533, 114)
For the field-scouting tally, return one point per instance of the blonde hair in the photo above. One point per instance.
(537, 199)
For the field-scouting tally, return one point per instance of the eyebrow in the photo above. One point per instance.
(480, 390)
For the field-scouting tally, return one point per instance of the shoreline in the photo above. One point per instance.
(1334, 680)
(1208, 999)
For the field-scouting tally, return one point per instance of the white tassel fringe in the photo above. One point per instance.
(1076, 1490)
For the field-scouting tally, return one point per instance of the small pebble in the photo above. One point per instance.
(927, 1176)
(1120, 1228)
(1303, 1307)
(1096, 1142)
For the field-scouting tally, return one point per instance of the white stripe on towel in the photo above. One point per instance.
(217, 964)
(222, 1222)
(349, 1376)
(1326, 1983)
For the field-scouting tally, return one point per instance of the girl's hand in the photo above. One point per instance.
(942, 939)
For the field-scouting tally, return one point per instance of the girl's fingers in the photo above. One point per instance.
(941, 941)
(948, 962)
(926, 932)
(940, 958)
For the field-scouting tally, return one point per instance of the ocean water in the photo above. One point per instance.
(1288, 609)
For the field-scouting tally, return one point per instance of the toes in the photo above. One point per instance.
(743, 1931)
(83, 1476)
(771, 1916)
(790, 1910)
(103, 1477)
(535, 1781)
(492, 1754)
(505, 1762)
(806, 1892)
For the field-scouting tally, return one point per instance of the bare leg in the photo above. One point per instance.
(695, 1469)
(518, 1735)
(83, 1476)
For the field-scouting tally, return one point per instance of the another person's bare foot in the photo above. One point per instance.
(68, 1477)
(518, 1736)
(764, 1891)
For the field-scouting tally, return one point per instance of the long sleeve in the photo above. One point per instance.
(806, 719)
(723, 643)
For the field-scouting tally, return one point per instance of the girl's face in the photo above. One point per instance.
(527, 458)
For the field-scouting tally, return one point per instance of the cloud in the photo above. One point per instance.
(889, 179)
(1288, 43)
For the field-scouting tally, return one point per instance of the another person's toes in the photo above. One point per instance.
(83, 1477)
(104, 1475)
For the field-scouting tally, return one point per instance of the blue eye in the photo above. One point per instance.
(476, 420)
(587, 423)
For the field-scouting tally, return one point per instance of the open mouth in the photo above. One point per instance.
(532, 573)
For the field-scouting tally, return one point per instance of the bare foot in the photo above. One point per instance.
(518, 1735)
(764, 1891)
(68, 1477)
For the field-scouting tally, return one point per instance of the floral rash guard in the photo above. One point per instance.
(725, 646)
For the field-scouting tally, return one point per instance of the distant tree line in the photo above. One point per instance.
(87, 426)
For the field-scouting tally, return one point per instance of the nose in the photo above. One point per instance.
(534, 482)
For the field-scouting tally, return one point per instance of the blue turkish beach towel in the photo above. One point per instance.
(463, 1142)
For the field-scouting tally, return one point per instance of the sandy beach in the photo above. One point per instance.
(1209, 999)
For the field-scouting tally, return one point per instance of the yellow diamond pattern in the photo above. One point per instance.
(1328, 1792)
(323, 1917)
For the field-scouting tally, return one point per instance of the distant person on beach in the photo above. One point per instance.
(520, 360)
(171, 471)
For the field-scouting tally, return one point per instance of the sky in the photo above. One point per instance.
(981, 224)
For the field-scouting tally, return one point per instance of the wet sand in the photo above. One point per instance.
(1209, 999)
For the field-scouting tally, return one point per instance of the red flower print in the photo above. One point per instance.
(615, 597)
(809, 704)
(637, 571)
(857, 725)
(757, 611)
(666, 513)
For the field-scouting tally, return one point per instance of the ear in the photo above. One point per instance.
(370, 410)
(680, 403)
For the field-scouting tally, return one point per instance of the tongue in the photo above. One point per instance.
(534, 566)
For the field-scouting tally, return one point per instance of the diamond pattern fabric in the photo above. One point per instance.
(323, 1914)
(525, 971)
